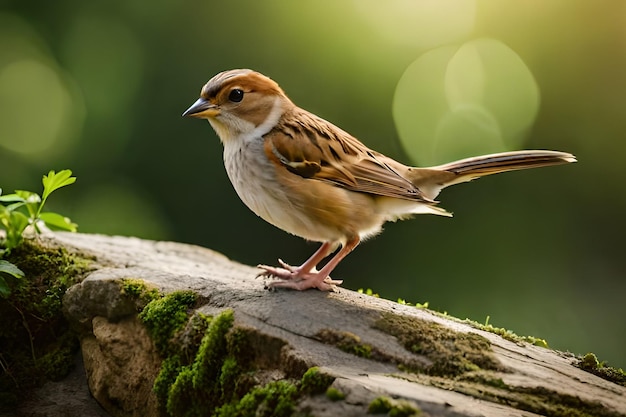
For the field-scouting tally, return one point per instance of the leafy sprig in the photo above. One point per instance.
(25, 208)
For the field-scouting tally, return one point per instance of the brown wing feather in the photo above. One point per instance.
(313, 148)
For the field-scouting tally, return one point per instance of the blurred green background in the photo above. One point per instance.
(99, 87)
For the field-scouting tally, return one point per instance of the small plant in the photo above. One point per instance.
(8, 271)
(22, 209)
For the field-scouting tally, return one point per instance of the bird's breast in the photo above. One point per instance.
(307, 208)
(254, 178)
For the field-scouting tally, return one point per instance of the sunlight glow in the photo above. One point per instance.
(458, 101)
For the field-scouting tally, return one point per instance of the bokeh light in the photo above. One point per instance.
(42, 111)
(459, 101)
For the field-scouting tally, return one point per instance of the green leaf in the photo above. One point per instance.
(14, 223)
(12, 198)
(28, 196)
(19, 221)
(58, 222)
(15, 206)
(54, 181)
(7, 267)
(5, 290)
(32, 201)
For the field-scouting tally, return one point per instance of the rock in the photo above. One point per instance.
(67, 398)
(121, 365)
(377, 353)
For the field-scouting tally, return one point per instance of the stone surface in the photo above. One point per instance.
(121, 366)
(67, 398)
(121, 363)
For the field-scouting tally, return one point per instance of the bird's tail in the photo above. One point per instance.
(433, 179)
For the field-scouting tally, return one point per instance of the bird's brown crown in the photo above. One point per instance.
(245, 79)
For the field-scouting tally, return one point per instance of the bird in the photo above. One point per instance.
(312, 179)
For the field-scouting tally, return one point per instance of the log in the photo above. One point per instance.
(297, 353)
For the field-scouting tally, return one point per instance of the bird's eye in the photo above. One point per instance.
(236, 95)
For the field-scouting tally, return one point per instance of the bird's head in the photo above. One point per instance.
(240, 102)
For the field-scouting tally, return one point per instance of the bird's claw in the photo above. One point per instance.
(287, 276)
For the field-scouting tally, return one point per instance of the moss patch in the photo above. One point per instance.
(346, 341)
(334, 394)
(505, 333)
(275, 399)
(547, 402)
(164, 316)
(315, 382)
(449, 353)
(37, 343)
(394, 408)
(210, 367)
(590, 363)
(140, 291)
(539, 400)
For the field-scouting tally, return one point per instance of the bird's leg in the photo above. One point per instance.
(306, 276)
(287, 271)
(310, 264)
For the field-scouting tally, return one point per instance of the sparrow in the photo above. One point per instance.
(310, 178)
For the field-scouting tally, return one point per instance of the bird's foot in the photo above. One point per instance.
(294, 277)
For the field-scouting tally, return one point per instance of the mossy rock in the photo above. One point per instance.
(209, 366)
(37, 342)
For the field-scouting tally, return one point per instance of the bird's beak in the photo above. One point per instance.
(202, 109)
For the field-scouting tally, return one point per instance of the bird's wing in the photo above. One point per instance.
(313, 148)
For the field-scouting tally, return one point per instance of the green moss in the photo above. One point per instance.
(170, 368)
(450, 353)
(59, 360)
(394, 408)
(164, 316)
(590, 363)
(543, 401)
(229, 380)
(182, 399)
(334, 394)
(404, 409)
(275, 399)
(212, 352)
(193, 389)
(214, 375)
(37, 343)
(538, 400)
(140, 291)
(379, 405)
(346, 341)
(315, 382)
(485, 379)
(213, 382)
(505, 333)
